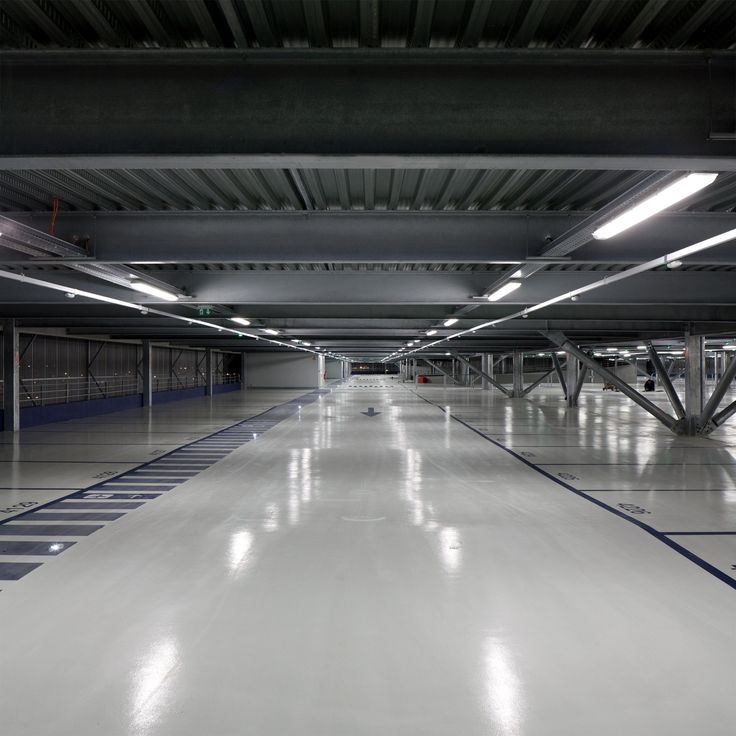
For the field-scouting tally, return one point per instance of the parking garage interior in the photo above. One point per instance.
(368, 367)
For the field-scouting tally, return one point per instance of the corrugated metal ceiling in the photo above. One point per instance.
(653, 24)
(334, 189)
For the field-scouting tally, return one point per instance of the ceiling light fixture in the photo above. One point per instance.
(240, 321)
(501, 292)
(270, 331)
(674, 264)
(146, 288)
(449, 322)
(672, 194)
(431, 332)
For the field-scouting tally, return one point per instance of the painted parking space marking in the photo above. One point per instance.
(74, 516)
(16, 570)
(22, 547)
(129, 490)
(84, 505)
(109, 497)
(633, 513)
(14, 528)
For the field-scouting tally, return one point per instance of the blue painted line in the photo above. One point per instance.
(160, 471)
(16, 570)
(46, 530)
(722, 576)
(17, 547)
(73, 516)
(162, 478)
(697, 534)
(110, 497)
(140, 487)
(70, 504)
(176, 464)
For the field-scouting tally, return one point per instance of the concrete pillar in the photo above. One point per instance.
(209, 373)
(320, 370)
(694, 375)
(573, 375)
(518, 374)
(11, 385)
(147, 370)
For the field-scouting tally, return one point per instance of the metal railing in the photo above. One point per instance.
(175, 383)
(66, 389)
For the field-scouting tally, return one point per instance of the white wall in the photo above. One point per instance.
(283, 370)
(334, 368)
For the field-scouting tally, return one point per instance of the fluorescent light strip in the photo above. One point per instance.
(146, 288)
(502, 291)
(240, 321)
(23, 279)
(670, 195)
(688, 250)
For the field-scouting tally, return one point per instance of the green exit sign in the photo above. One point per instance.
(205, 311)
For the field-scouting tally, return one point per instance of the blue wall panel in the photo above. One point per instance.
(30, 416)
(226, 388)
(164, 397)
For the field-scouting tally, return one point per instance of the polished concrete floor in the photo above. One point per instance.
(457, 563)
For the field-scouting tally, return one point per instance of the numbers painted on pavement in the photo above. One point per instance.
(16, 507)
(632, 508)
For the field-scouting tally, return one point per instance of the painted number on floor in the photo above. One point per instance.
(16, 507)
(632, 508)
(568, 476)
(105, 474)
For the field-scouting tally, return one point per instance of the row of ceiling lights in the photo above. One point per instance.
(656, 203)
(144, 309)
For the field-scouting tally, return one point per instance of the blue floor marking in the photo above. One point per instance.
(661, 536)
(16, 570)
(46, 530)
(696, 534)
(84, 505)
(17, 547)
(139, 487)
(74, 516)
(178, 466)
(109, 497)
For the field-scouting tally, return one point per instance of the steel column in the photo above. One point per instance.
(11, 383)
(582, 372)
(664, 379)
(209, 380)
(486, 366)
(560, 374)
(719, 392)
(485, 376)
(517, 375)
(436, 367)
(147, 369)
(694, 375)
(564, 342)
(574, 380)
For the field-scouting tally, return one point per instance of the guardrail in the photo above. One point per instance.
(66, 389)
